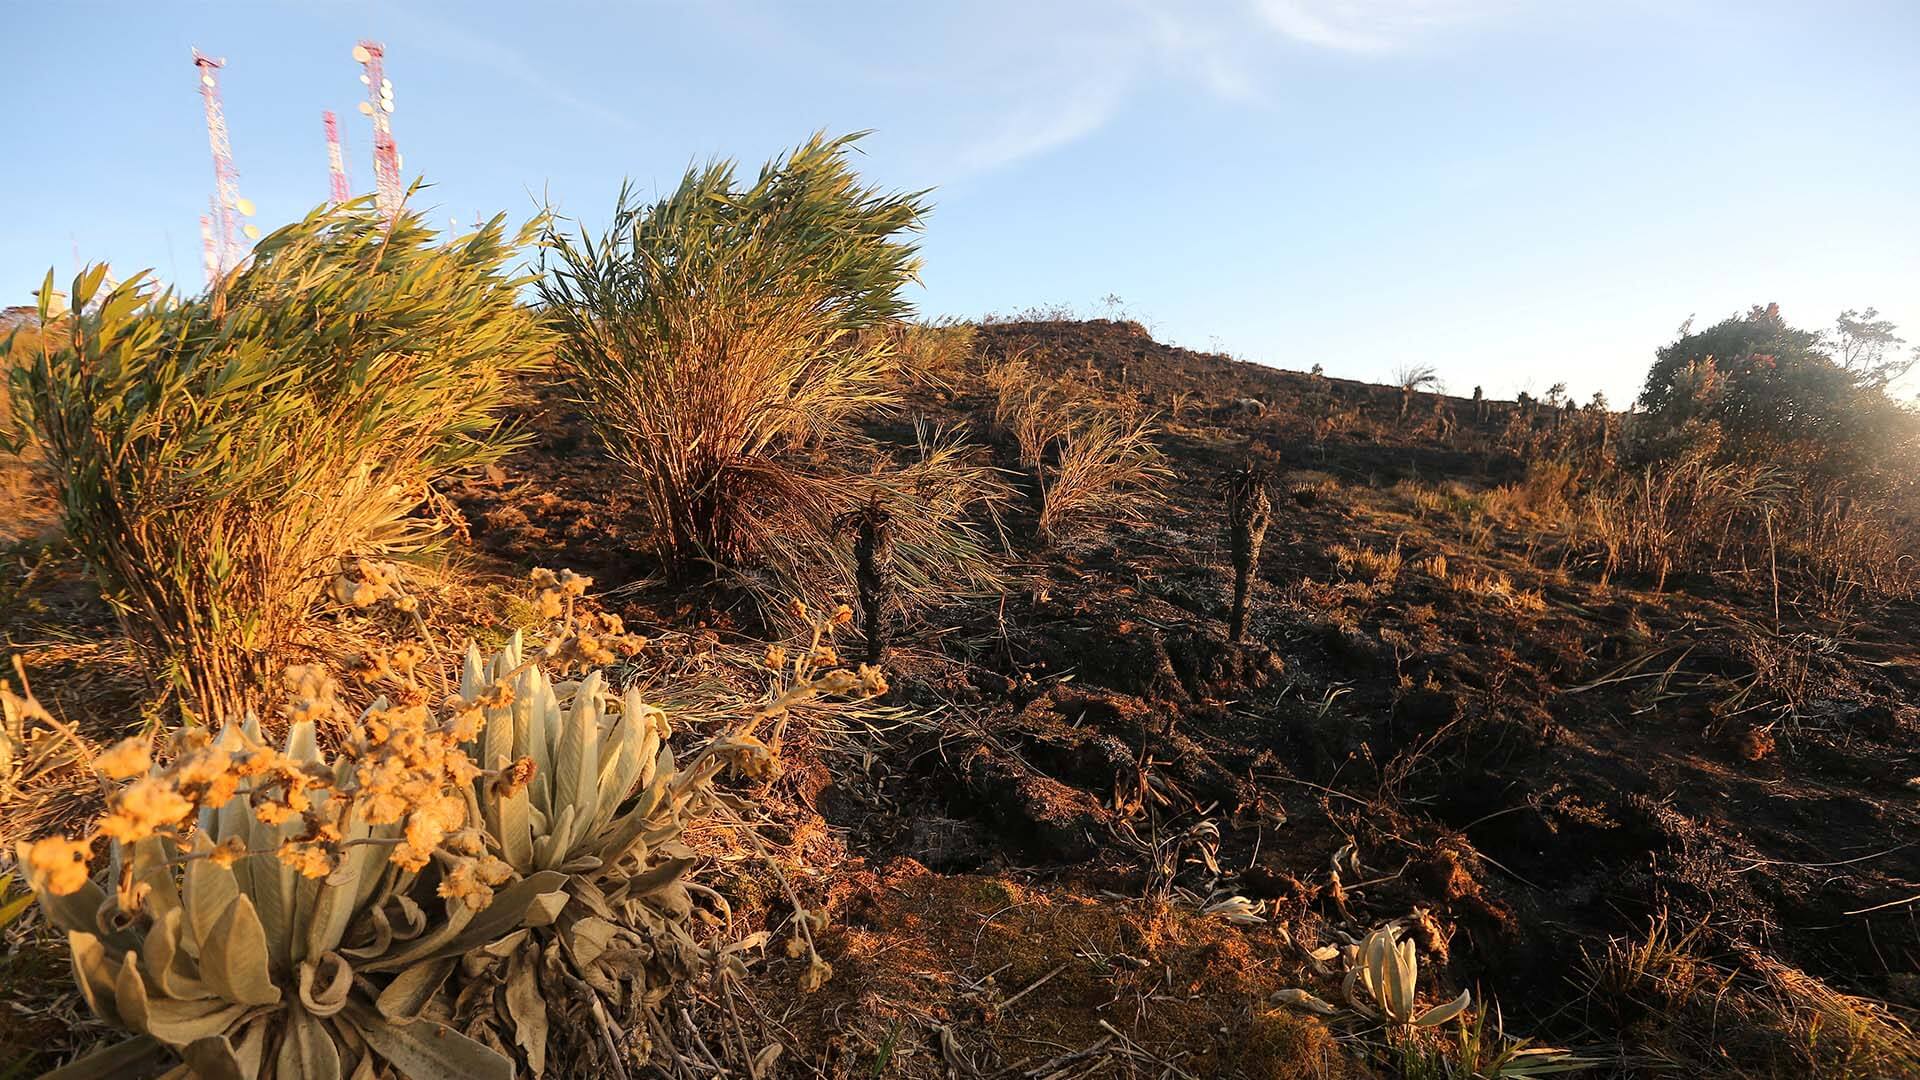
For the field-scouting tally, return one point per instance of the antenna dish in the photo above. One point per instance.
(361, 54)
(364, 81)
(366, 108)
(245, 206)
(387, 104)
(252, 231)
(206, 80)
(386, 86)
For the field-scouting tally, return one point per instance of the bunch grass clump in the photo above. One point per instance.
(933, 354)
(716, 336)
(1093, 458)
(215, 456)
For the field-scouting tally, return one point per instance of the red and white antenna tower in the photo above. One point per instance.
(228, 206)
(209, 251)
(340, 189)
(379, 106)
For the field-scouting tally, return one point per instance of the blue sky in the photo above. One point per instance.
(1517, 193)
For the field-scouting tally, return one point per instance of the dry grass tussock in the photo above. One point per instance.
(1743, 1014)
(937, 354)
(1092, 455)
(1379, 567)
(1806, 536)
(724, 337)
(214, 456)
(1496, 586)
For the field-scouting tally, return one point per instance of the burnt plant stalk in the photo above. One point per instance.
(1249, 510)
(873, 572)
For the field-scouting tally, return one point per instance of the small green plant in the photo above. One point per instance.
(1381, 982)
(604, 810)
(1383, 971)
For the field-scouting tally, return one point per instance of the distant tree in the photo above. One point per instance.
(1748, 372)
(1767, 384)
(1414, 378)
(1861, 343)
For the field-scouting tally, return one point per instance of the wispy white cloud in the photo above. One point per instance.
(1369, 26)
(1027, 128)
(510, 63)
(1071, 71)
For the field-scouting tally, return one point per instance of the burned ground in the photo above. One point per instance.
(1534, 758)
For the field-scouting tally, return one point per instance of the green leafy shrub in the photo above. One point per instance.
(1769, 452)
(215, 456)
(1777, 391)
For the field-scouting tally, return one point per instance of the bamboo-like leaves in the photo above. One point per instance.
(212, 451)
(712, 331)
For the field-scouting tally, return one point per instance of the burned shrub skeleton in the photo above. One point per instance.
(1249, 509)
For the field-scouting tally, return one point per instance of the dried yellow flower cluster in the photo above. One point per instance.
(363, 583)
(472, 873)
(596, 639)
(556, 589)
(406, 769)
(58, 865)
(204, 771)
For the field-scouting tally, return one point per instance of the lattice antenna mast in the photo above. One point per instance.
(209, 248)
(228, 207)
(341, 189)
(379, 107)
